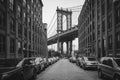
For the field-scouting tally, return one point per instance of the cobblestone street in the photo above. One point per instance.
(64, 70)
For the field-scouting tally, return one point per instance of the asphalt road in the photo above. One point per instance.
(64, 70)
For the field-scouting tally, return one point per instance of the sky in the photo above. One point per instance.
(49, 8)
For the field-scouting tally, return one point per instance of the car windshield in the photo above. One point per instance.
(29, 61)
(117, 61)
(8, 62)
(91, 59)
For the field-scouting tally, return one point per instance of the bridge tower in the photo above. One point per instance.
(68, 14)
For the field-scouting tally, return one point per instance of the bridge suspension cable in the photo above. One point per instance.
(49, 27)
(53, 32)
(73, 7)
(52, 27)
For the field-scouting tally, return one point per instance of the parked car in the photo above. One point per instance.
(16, 69)
(42, 65)
(38, 64)
(52, 60)
(79, 61)
(28, 68)
(49, 61)
(88, 62)
(110, 67)
(73, 59)
(45, 63)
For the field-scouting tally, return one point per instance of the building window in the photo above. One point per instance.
(90, 28)
(31, 12)
(33, 37)
(93, 25)
(19, 11)
(93, 36)
(98, 17)
(117, 2)
(109, 22)
(11, 3)
(12, 25)
(36, 1)
(19, 30)
(93, 2)
(93, 13)
(90, 17)
(90, 38)
(98, 3)
(99, 48)
(29, 21)
(31, 1)
(98, 30)
(29, 35)
(2, 19)
(28, 8)
(103, 26)
(24, 2)
(25, 33)
(103, 9)
(12, 45)
(2, 1)
(109, 3)
(118, 40)
(110, 42)
(2, 43)
(117, 11)
(24, 17)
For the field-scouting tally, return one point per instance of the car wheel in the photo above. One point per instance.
(81, 66)
(39, 71)
(84, 67)
(21, 77)
(116, 78)
(34, 75)
(100, 74)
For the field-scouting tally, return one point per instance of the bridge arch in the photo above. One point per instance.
(60, 15)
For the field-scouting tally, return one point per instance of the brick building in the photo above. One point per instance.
(99, 28)
(21, 28)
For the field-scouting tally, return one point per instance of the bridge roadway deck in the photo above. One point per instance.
(64, 36)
